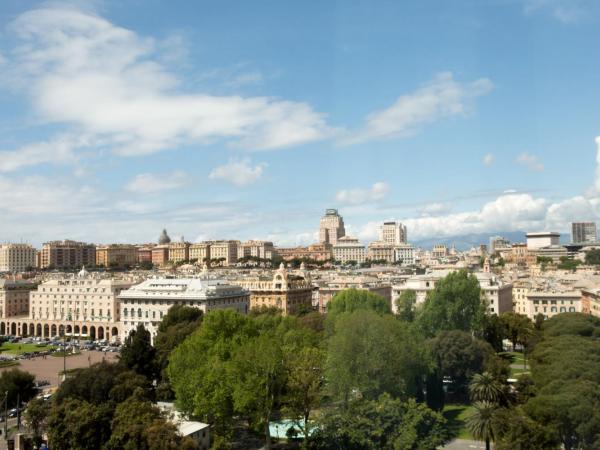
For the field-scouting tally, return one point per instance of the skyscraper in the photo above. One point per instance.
(332, 227)
(393, 233)
(583, 232)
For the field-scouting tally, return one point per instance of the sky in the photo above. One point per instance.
(246, 120)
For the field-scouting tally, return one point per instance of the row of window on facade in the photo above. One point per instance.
(555, 309)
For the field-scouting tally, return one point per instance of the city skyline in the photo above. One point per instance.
(215, 123)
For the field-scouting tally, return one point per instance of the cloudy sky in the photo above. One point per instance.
(240, 119)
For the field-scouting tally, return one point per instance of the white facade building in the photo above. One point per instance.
(148, 302)
(406, 254)
(497, 293)
(349, 249)
(17, 257)
(393, 233)
(82, 305)
(542, 239)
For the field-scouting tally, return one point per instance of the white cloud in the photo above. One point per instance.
(60, 150)
(148, 183)
(83, 71)
(440, 98)
(359, 196)
(238, 172)
(435, 209)
(565, 11)
(488, 159)
(530, 161)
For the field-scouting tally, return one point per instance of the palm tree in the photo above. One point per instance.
(480, 422)
(485, 388)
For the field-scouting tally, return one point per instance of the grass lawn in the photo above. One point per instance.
(17, 348)
(8, 364)
(456, 416)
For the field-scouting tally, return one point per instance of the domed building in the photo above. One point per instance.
(164, 238)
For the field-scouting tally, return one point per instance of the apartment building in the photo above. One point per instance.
(67, 254)
(225, 250)
(349, 249)
(200, 252)
(17, 257)
(179, 251)
(257, 249)
(116, 255)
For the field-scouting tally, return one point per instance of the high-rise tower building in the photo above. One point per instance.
(393, 233)
(332, 227)
(583, 232)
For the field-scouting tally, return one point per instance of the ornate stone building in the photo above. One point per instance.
(148, 302)
(289, 292)
(77, 305)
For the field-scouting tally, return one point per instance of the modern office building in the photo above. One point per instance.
(349, 249)
(331, 227)
(542, 239)
(393, 233)
(17, 257)
(148, 302)
(584, 232)
(67, 255)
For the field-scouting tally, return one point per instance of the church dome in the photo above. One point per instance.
(164, 238)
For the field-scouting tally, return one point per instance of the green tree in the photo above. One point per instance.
(17, 383)
(372, 354)
(493, 331)
(176, 326)
(258, 368)
(486, 388)
(91, 384)
(460, 356)
(35, 417)
(518, 328)
(78, 425)
(130, 425)
(405, 305)
(180, 314)
(381, 424)
(481, 422)
(456, 303)
(127, 383)
(592, 257)
(514, 430)
(138, 354)
(350, 300)
(199, 368)
(305, 372)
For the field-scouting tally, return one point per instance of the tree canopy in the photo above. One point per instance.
(456, 303)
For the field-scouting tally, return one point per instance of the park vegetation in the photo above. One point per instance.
(356, 378)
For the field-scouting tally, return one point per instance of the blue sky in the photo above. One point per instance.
(239, 119)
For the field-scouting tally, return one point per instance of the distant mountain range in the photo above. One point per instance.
(467, 241)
